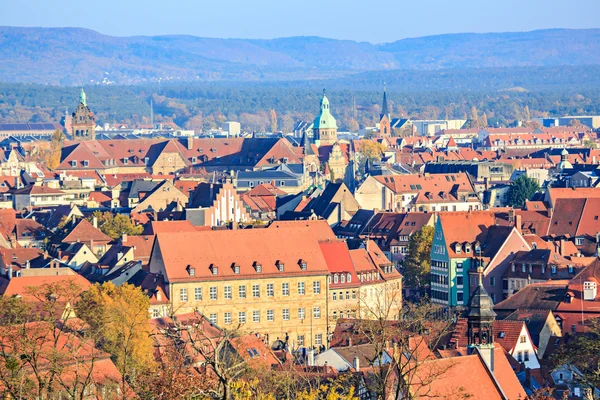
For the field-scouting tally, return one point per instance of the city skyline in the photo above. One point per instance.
(266, 19)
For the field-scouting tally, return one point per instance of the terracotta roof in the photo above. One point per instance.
(461, 227)
(21, 285)
(319, 229)
(467, 376)
(573, 193)
(254, 351)
(35, 190)
(18, 257)
(204, 251)
(85, 232)
(100, 197)
(337, 257)
(434, 183)
(142, 245)
(546, 296)
(155, 227)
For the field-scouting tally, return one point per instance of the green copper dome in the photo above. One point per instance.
(82, 98)
(325, 120)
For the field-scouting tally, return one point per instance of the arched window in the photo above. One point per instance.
(335, 278)
(349, 278)
(343, 278)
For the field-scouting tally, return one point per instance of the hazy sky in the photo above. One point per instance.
(373, 20)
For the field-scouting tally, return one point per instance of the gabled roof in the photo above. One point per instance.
(85, 232)
(434, 183)
(338, 259)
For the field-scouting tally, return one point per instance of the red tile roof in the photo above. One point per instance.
(85, 232)
(155, 227)
(203, 251)
(434, 183)
(22, 285)
(338, 259)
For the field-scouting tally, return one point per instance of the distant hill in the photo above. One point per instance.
(75, 56)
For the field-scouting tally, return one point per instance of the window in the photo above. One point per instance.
(255, 291)
(492, 281)
(255, 316)
(213, 319)
(520, 356)
(286, 314)
(213, 293)
(526, 355)
(73, 163)
(183, 295)
(316, 312)
(319, 339)
(459, 265)
(459, 296)
(354, 295)
(280, 266)
(215, 270)
(227, 292)
(578, 241)
(301, 289)
(242, 292)
(285, 289)
(523, 339)
(155, 313)
(242, 317)
(227, 318)
(347, 295)
(270, 315)
(336, 278)
(459, 280)
(554, 270)
(348, 278)
(198, 294)
(270, 290)
(317, 287)
(334, 295)
(300, 340)
(192, 271)
(301, 313)
(343, 278)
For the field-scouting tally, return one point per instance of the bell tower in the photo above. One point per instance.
(83, 121)
(325, 126)
(481, 319)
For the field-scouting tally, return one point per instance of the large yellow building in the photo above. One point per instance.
(268, 281)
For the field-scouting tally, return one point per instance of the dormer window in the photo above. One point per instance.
(280, 266)
(457, 248)
(236, 268)
(125, 161)
(554, 270)
(214, 269)
(570, 269)
(191, 270)
(336, 278)
(348, 278)
(343, 278)
(468, 248)
(257, 267)
(86, 163)
(302, 264)
(73, 163)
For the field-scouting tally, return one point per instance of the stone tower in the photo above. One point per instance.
(83, 121)
(384, 118)
(325, 126)
(481, 319)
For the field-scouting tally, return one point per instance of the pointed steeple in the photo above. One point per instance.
(306, 144)
(481, 315)
(384, 105)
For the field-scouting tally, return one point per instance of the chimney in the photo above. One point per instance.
(349, 341)
(10, 272)
(487, 354)
(95, 222)
(27, 265)
(190, 142)
(356, 364)
(124, 238)
(518, 222)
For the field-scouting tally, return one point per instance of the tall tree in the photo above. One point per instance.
(521, 189)
(120, 315)
(273, 120)
(474, 117)
(52, 155)
(484, 121)
(527, 113)
(417, 264)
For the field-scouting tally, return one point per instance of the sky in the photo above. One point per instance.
(375, 21)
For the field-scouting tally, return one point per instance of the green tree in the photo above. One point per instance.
(116, 225)
(417, 263)
(521, 189)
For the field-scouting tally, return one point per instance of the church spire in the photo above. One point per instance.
(384, 105)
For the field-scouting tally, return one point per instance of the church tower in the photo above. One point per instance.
(384, 118)
(325, 126)
(83, 121)
(481, 323)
